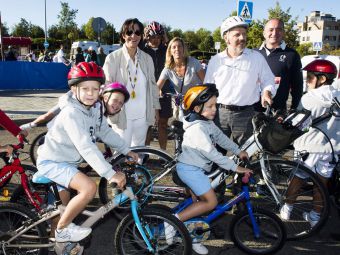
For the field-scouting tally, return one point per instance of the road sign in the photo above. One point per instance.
(217, 45)
(46, 44)
(317, 46)
(245, 10)
(98, 25)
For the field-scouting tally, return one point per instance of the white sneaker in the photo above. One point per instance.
(200, 248)
(307, 217)
(285, 211)
(71, 233)
(169, 232)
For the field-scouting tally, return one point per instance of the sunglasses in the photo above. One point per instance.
(131, 32)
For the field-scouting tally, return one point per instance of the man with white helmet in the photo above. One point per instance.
(241, 76)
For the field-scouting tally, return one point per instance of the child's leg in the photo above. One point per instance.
(86, 191)
(65, 198)
(206, 203)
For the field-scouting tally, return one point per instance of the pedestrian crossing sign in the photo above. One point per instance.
(317, 46)
(245, 10)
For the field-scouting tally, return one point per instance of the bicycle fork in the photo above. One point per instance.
(246, 195)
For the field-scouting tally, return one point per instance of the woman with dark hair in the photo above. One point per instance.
(133, 67)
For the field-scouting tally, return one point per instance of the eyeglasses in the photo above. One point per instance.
(131, 32)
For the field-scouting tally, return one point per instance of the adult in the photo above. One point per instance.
(180, 69)
(153, 35)
(240, 75)
(93, 55)
(61, 55)
(133, 67)
(79, 57)
(101, 56)
(10, 55)
(285, 64)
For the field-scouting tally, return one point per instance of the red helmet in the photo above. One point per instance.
(154, 28)
(322, 66)
(85, 71)
(116, 87)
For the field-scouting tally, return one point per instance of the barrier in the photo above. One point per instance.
(32, 75)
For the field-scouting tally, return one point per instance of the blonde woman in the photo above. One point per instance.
(180, 69)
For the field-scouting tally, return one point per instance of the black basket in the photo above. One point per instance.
(274, 136)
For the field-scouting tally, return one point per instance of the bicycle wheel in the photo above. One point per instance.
(282, 173)
(39, 140)
(272, 232)
(153, 160)
(12, 217)
(129, 241)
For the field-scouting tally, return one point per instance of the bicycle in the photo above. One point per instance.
(275, 169)
(26, 193)
(22, 231)
(253, 230)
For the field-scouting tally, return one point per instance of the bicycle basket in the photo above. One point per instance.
(275, 137)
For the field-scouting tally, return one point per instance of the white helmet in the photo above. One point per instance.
(231, 22)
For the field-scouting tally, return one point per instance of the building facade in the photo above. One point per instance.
(320, 27)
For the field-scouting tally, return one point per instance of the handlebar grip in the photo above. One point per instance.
(246, 177)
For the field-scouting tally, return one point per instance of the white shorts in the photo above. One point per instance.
(320, 163)
(58, 172)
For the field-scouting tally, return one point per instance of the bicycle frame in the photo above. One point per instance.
(220, 209)
(13, 166)
(93, 217)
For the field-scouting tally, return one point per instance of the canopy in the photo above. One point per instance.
(19, 41)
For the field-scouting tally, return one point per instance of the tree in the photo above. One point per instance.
(175, 33)
(89, 31)
(255, 34)
(304, 49)
(191, 40)
(66, 23)
(22, 28)
(55, 32)
(109, 34)
(217, 38)
(291, 32)
(36, 31)
(207, 44)
(4, 29)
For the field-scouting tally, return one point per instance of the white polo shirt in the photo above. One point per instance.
(240, 80)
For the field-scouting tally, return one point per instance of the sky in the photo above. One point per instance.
(182, 14)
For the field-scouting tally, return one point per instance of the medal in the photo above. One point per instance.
(134, 82)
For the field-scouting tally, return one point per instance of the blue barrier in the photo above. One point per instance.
(32, 75)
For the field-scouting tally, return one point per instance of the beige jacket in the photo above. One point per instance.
(115, 69)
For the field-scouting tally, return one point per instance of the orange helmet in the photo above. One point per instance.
(198, 95)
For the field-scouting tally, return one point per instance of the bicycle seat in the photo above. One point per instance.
(38, 178)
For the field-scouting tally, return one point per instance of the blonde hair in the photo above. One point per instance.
(169, 59)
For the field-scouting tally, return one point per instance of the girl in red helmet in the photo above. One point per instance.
(318, 100)
(72, 139)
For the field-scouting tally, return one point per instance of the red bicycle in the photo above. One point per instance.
(26, 193)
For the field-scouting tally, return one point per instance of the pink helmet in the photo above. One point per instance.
(154, 28)
(116, 87)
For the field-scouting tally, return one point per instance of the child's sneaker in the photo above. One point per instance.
(285, 211)
(312, 217)
(71, 233)
(200, 248)
(169, 232)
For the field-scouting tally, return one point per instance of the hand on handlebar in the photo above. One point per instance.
(243, 155)
(118, 178)
(266, 98)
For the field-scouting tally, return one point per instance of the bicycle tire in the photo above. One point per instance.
(128, 238)
(158, 158)
(281, 172)
(39, 140)
(271, 229)
(19, 195)
(12, 217)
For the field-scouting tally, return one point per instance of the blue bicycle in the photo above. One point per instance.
(253, 230)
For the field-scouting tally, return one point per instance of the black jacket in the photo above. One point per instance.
(285, 63)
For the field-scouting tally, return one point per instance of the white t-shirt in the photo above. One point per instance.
(60, 56)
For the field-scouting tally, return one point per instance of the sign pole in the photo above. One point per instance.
(2, 49)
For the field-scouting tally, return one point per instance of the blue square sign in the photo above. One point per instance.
(245, 10)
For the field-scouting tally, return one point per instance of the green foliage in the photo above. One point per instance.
(291, 32)
(305, 49)
(255, 34)
(217, 38)
(22, 28)
(66, 22)
(37, 31)
(89, 31)
(110, 34)
(175, 33)
(207, 44)
(4, 29)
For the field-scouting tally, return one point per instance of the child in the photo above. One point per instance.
(320, 75)
(71, 139)
(11, 127)
(113, 96)
(199, 152)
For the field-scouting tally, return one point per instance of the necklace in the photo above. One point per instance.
(133, 81)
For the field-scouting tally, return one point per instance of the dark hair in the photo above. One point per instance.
(129, 24)
(79, 50)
